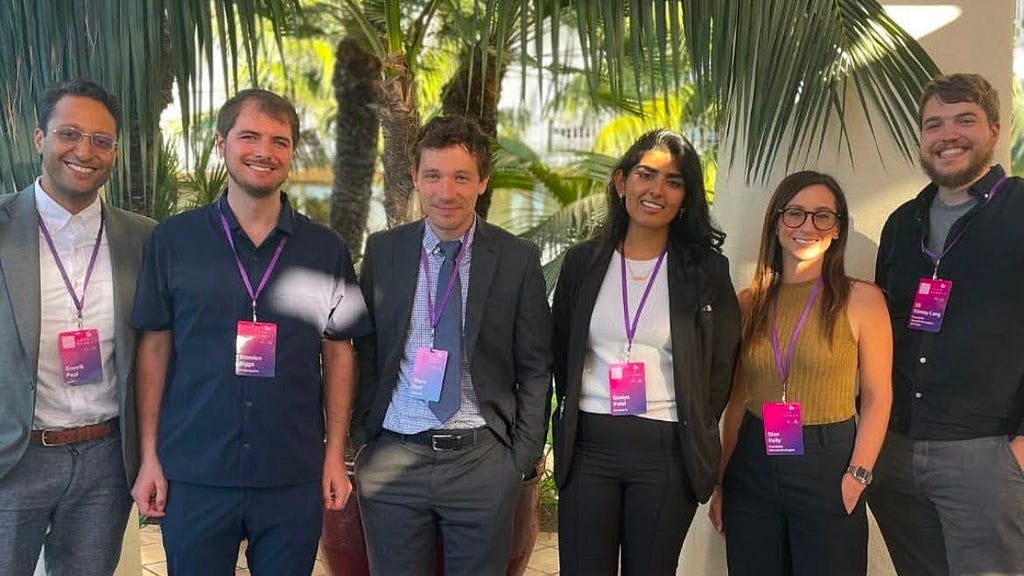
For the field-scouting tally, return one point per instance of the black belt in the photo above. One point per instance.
(447, 440)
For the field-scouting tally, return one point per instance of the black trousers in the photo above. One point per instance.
(785, 514)
(627, 490)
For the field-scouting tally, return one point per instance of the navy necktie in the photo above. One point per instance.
(448, 334)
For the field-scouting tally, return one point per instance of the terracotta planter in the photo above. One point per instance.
(526, 524)
(343, 544)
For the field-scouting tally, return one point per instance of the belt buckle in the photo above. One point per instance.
(42, 438)
(440, 448)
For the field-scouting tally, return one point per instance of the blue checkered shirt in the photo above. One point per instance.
(409, 415)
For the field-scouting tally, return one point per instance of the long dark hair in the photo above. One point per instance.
(768, 276)
(692, 232)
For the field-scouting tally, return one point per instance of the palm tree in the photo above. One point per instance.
(776, 70)
(357, 127)
(133, 47)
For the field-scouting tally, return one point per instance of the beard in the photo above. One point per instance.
(980, 160)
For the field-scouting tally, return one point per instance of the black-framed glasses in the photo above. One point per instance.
(69, 137)
(823, 220)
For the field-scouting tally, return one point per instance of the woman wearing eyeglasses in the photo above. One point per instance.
(795, 460)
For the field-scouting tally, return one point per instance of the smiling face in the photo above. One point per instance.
(73, 174)
(957, 142)
(653, 191)
(806, 243)
(448, 183)
(257, 152)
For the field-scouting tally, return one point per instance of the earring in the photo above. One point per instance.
(679, 214)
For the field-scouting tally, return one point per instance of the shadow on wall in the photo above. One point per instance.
(861, 252)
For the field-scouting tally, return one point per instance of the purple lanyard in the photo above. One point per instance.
(936, 258)
(631, 326)
(79, 302)
(253, 295)
(783, 363)
(434, 314)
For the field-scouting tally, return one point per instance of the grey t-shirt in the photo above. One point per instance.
(941, 218)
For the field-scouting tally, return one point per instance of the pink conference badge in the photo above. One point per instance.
(80, 357)
(428, 374)
(929, 304)
(783, 429)
(627, 388)
(256, 349)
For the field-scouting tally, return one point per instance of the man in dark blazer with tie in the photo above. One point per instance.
(68, 267)
(454, 384)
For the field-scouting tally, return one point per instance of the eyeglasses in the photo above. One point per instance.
(69, 137)
(823, 220)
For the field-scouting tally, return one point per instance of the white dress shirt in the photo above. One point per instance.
(74, 236)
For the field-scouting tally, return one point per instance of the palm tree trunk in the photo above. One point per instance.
(474, 94)
(400, 119)
(139, 197)
(357, 128)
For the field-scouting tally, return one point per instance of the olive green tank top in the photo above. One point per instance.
(822, 379)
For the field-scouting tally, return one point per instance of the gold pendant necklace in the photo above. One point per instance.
(637, 277)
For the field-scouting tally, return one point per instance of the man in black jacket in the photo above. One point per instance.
(949, 487)
(454, 387)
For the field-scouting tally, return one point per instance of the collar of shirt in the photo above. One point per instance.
(56, 217)
(285, 219)
(978, 190)
(431, 242)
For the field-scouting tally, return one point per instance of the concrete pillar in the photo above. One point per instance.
(967, 37)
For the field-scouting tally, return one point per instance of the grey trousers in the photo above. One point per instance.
(409, 495)
(950, 507)
(72, 498)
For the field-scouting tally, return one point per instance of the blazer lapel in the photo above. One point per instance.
(586, 298)
(123, 256)
(405, 260)
(19, 261)
(481, 274)
(683, 297)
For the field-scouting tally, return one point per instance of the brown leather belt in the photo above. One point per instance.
(73, 435)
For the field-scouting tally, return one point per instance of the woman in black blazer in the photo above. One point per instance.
(646, 330)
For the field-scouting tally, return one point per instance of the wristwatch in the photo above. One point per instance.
(860, 474)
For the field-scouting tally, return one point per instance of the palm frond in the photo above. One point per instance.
(781, 76)
(136, 48)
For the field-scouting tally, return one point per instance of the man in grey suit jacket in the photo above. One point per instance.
(452, 407)
(68, 266)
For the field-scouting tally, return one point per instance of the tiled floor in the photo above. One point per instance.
(543, 562)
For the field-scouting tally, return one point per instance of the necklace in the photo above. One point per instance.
(633, 274)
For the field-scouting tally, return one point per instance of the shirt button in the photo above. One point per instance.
(917, 394)
(245, 446)
(922, 360)
(248, 403)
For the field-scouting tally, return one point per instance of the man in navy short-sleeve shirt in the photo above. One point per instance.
(245, 368)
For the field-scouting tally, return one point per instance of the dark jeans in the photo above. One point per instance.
(627, 489)
(950, 507)
(205, 525)
(785, 514)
